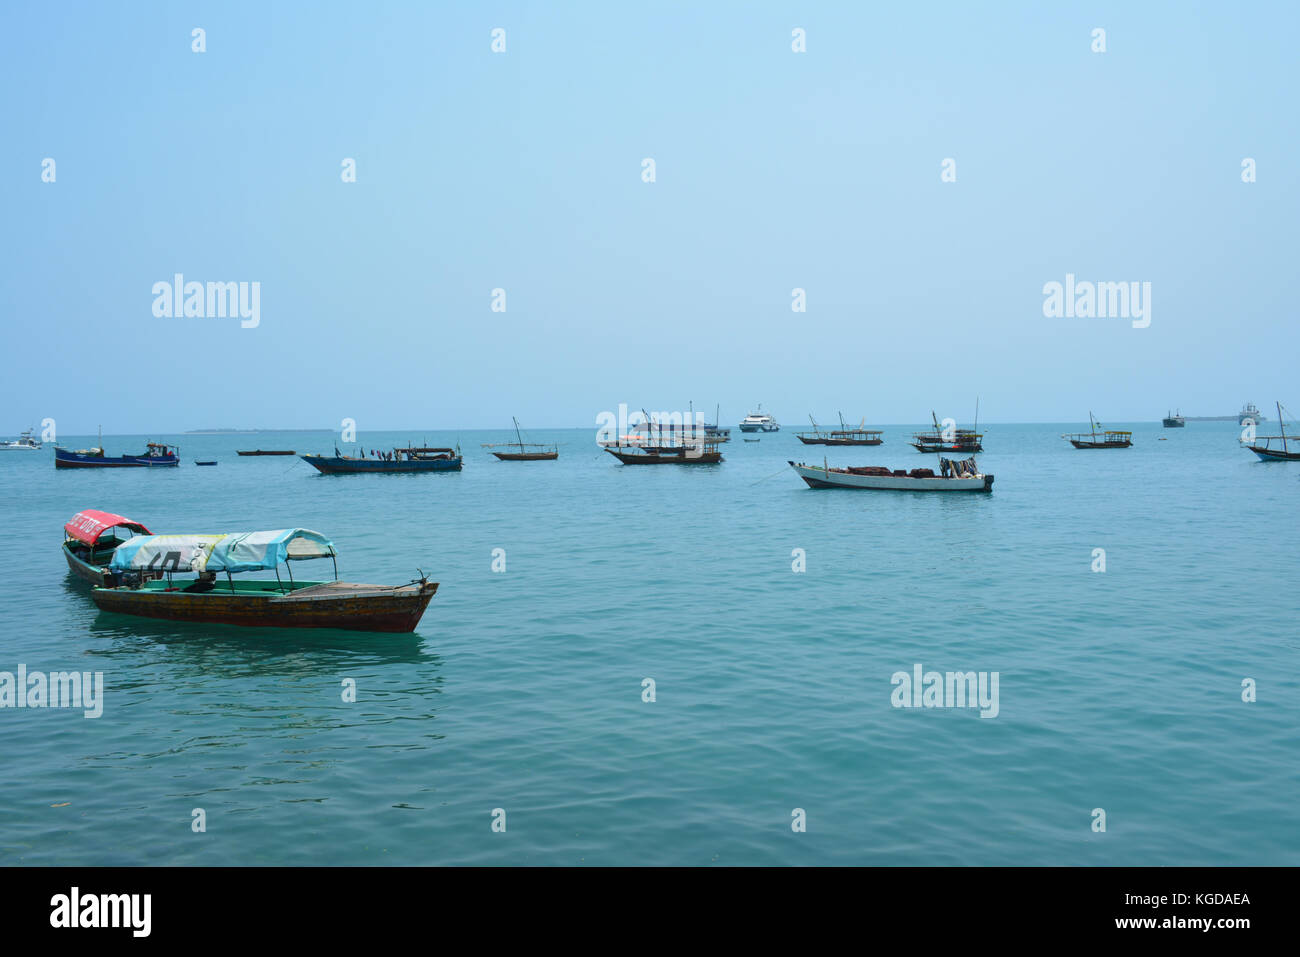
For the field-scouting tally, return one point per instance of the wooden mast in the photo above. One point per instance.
(517, 435)
(1282, 425)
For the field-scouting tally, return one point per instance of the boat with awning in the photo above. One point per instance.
(148, 566)
(90, 539)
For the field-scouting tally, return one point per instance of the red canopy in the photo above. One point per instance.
(87, 526)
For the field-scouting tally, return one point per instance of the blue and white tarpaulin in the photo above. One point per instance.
(235, 552)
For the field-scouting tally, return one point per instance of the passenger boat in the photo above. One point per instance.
(409, 459)
(543, 453)
(689, 453)
(253, 602)
(841, 436)
(265, 452)
(24, 443)
(1174, 420)
(89, 540)
(1107, 439)
(958, 440)
(1270, 454)
(963, 476)
(759, 421)
(156, 455)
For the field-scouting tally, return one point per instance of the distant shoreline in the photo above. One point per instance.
(246, 431)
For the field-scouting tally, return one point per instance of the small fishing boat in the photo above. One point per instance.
(543, 453)
(963, 476)
(955, 440)
(156, 455)
(257, 602)
(24, 443)
(1267, 452)
(1174, 420)
(841, 436)
(409, 459)
(1100, 439)
(759, 421)
(197, 462)
(89, 540)
(265, 452)
(689, 453)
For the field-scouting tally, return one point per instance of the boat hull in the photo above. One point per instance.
(260, 452)
(1085, 444)
(807, 441)
(659, 458)
(331, 465)
(1173, 423)
(527, 456)
(839, 478)
(338, 605)
(84, 570)
(1274, 455)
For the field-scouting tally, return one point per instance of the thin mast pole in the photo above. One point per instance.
(1282, 424)
(517, 435)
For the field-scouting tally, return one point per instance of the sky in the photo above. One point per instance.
(522, 171)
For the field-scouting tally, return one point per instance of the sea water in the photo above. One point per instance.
(681, 665)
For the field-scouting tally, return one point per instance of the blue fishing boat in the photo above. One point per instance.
(409, 459)
(156, 454)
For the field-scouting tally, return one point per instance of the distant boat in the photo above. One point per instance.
(89, 540)
(197, 462)
(963, 476)
(759, 421)
(1174, 420)
(409, 459)
(544, 453)
(267, 452)
(956, 440)
(1266, 451)
(841, 436)
(1107, 439)
(1248, 411)
(156, 455)
(252, 602)
(25, 442)
(689, 453)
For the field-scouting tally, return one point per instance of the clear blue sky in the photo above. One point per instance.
(522, 170)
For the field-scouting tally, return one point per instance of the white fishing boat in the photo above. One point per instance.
(962, 476)
(25, 442)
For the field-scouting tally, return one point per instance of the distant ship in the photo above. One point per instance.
(1249, 412)
(1174, 420)
(24, 443)
(759, 421)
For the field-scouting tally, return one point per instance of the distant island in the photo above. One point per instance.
(247, 431)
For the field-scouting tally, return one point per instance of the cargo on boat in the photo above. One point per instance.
(409, 459)
(89, 540)
(147, 567)
(963, 476)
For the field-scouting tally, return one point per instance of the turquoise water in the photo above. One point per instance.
(522, 690)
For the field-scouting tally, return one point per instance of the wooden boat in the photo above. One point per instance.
(253, 602)
(1267, 452)
(1174, 420)
(689, 453)
(543, 453)
(963, 476)
(156, 454)
(89, 540)
(197, 462)
(409, 459)
(266, 452)
(841, 436)
(1107, 439)
(961, 440)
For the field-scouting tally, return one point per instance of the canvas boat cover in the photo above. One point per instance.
(234, 552)
(89, 525)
